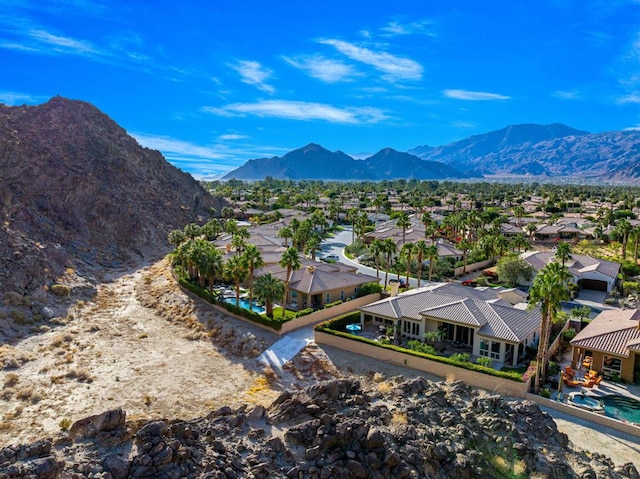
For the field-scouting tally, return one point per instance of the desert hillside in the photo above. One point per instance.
(76, 191)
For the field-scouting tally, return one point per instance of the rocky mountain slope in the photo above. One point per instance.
(334, 429)
(77, 191)
(544, 150)
(315, 162)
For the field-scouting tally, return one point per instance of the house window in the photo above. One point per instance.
(611, 367)
(342, 294)
(415, 329)
(356, 290)
(495, 349)
(328, 299)
(484, 347)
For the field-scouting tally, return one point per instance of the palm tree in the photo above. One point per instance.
(254, 260)
(212, 229)
(291, 261)
(407, 253)
(465, 246)
(286, 233)
(563, 252)
(376, 248)
(212, 267)
(421, 250)
(635, 232)
(549, 290)
(192, 230)
(518, 212)
(313, 244)
(268, 289)
(389, 248)
(623, 228)
(236, 270)
(432, 255)
(519, 242)
(531, 229)
(403, 222)
(177, 237)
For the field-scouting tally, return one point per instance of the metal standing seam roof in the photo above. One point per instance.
(579, 263)
(614, 332)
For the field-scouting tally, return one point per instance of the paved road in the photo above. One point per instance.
(336, 245)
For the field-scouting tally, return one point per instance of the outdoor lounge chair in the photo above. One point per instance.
(569, 381)
(569, 371)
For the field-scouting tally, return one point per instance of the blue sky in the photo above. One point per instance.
(212, 84)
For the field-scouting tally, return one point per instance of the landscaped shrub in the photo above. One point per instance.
(304, 312)
(460, 357)
(369, 288)
(330, 305)
(484, 361)
(569, 334)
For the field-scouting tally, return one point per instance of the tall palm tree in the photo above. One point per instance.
(407, 254)
(313, 244)
(563, 252)
(389, 248)
(432, 255)
(403, 222)
(212, 267)
(286, 233)
(192, 230)
(549, 290)
(254, 260)
(623, 228)
(177, 237)
(236, 270)
(518, 212)
(635, 233)
(421, 250)
(376, 248)
(268, 289)
(291, 261)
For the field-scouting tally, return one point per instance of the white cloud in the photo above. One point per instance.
(172, 146)
(632, 128)
(395, 67)
(64, 44)
(474, 95)
(324, 69)
(253, 73)
(630, 98)
(16, 98)
(232, 136)
(567, 95)
(463, 124)
(422, 27)
(299, 110)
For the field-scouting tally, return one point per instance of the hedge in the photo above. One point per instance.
(275, 323)
(331, 327)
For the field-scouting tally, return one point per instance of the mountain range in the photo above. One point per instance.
(313, 162)
(526, 150)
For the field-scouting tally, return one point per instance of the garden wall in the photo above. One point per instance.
(483, 381)
(329, 313)
(471, 267)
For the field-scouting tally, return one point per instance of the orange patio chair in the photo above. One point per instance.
(569, 371)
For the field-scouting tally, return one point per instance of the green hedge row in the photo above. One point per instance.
(275, 323)
(333, 327)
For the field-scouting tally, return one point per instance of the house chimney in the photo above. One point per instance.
(311, 269)
(228, 247)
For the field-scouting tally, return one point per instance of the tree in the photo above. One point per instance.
(432, 255)
(212, 229)
(177, 237)
(286, 233)
(549, 290)
(192, 230)
(291, 261)
(511, 268)
(403, 222)
(563, 252)
(407, 254)
(390, 249)
(518, 212)
(376, 248)
(254, 260)
(531, 229)
(268, 289)
(313, 244)
(236, 270)
(623, 229)
(421, 250)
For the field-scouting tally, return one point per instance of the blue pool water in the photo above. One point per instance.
(622, 408)
(244, 304)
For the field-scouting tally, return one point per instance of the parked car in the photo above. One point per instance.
(331, 258)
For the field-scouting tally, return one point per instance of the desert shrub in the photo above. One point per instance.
(80, 375)
(65, 423)
(18, 317)
(60, 290)
(11, 379)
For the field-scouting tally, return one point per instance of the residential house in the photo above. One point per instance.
(589, 273)
(316, 283)
(483, 319)
(610, 344)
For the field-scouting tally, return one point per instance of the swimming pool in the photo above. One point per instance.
(244, 304)
(622, 408)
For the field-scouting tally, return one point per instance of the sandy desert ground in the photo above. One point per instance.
(144, 345)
